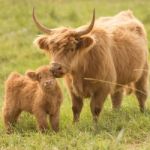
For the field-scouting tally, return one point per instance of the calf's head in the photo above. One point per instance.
(44, 77)
(65, 45)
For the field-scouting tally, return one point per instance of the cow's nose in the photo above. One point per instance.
(55, 67)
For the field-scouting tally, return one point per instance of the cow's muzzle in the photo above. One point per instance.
(58, 70)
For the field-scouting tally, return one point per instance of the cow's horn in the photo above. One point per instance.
(39, 25)
(89, 28)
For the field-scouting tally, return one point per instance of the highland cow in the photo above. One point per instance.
(110, 49)
(37, 93)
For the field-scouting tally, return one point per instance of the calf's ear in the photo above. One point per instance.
(42, 42)
(32, 75)
(85, 42)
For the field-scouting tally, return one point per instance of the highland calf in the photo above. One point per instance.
(97, 59)
(37, 93)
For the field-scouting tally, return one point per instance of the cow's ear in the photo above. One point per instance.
(32, 75)
(85, 42)
(42, 42)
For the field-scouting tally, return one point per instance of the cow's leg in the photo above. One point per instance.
(141, 90)
(16, 115)
(41, 117)
(129, 89)
(77, 104)
(117, 98)
(96, 104)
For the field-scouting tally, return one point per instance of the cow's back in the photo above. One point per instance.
(129, 50)
(128, 44)
(117, 20)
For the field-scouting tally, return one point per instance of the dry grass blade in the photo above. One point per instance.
(146, 70)
(113, 83)
(120, 136)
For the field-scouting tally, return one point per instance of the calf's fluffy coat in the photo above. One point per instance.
(112, 49)
(37, 93)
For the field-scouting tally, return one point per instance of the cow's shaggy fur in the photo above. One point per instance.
(37, 93)
(112, 51)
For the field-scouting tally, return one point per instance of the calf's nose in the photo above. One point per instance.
(49, 82)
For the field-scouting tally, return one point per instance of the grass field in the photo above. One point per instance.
(125, 129)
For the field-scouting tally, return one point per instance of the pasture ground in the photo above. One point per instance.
(125, 129)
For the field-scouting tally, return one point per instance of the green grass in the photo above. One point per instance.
(126, 129)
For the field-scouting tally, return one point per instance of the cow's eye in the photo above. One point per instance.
(72, 49)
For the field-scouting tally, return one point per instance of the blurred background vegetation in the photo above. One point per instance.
(17, 53)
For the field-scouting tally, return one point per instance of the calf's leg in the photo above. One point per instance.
(10, 116)
(54, 120)
(41, 117)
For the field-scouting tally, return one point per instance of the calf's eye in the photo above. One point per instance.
(40, 77)
(72, 49)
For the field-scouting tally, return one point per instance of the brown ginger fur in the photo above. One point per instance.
(37, 93)
(112, 52)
